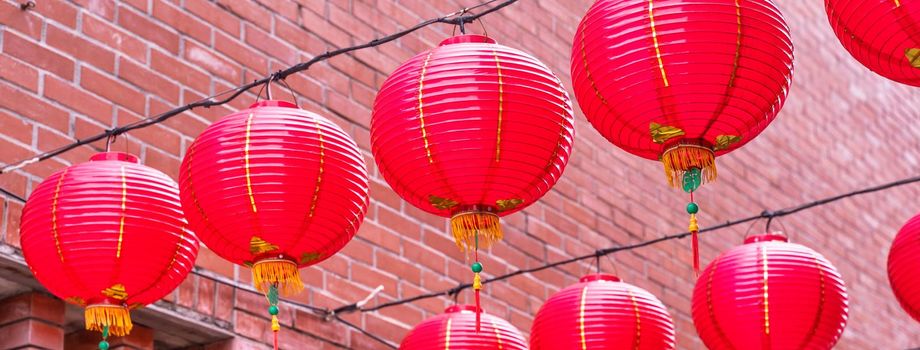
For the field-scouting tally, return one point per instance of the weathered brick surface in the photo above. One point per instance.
(69, 69)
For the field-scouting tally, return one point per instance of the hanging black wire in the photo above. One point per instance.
(464, 17)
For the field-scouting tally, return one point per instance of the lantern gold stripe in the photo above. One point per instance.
(54, 206)
(638, 319)
(897, 3)
(584, 59)
(252, 199)
(447, 335)
(821, 300)
(124, 200)
(421, 105)
(498, 136)
(766, 294)
(581, 318)
(322, 160)
(731, 81)
(651, 18)
(498, 334)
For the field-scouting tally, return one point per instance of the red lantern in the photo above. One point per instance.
(107, 235)
(601, 312)
(275, 188)
(880, 34)
(455, 329)
(682, 81)
(472, 130)
(904, 267)
(770, 294)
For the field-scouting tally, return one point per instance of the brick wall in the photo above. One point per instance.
(69, 69)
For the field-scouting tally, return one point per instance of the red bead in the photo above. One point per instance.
(600, 312)
(111, 221)
(274, 181)
(455, 329)
(904, 267)
(711, 73)
(880, 34)
(769, 294)
(472, 124)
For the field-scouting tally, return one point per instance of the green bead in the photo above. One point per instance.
(273, 310)
(692, 208)
(477, 267)
(103, 345)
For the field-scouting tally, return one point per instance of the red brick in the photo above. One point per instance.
(147, 80)
(190, 76)
(104, 8)
(115, 38)
(214, 63)
(147, 29)
(268, 44)
(59, 11)
(180, 21)
(214, 15)
(33, 108)
(113, 90)
(28, 51)
(156, 135)
(80, 48)
(249, 10)
(73, 97)
(25, 22)
(18, 73)
(246, 56)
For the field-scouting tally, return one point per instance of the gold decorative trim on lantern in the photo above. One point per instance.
(257, 245)
(682, 157)
(282, 273)
(651, 19)
(475, 228)
(442, 203)
(725, 141)
(508, 204)
(309, 257)
(116, 291)
(115, 317)
(913, 56)
(661, 133)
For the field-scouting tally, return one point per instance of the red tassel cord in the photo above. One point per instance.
(477, 283)
(272, 296)
(694, 228)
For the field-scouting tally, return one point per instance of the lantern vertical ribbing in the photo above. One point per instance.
(472, 130)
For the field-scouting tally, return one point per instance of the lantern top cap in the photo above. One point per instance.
(467, 38)
(600, 277)
(273, 103)
(122, 156)
(767, 237)
(459, 308)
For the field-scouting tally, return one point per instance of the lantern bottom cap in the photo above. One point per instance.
(475, 229)
(115, 317)
(283, 273)
(681, 158)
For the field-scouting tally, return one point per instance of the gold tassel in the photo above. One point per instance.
(275, 325)
(280, 272)
(116, 317)
(694, 227)
(683, 157)
(477, 281)
(466, 225)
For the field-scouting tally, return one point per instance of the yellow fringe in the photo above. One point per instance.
(116, 317)
(694, 227)
(280, 272)
(683, 157)
(477, 281)
(275, 325)
(466, 225)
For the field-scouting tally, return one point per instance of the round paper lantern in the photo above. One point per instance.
(904, 267)
(601, 312)
(770, 294)
(275, 188)
(880, 34)
(107, 235)
(681, 81)
(472, 130)
(455, 329)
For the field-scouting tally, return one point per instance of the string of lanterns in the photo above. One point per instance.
(473, 130)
